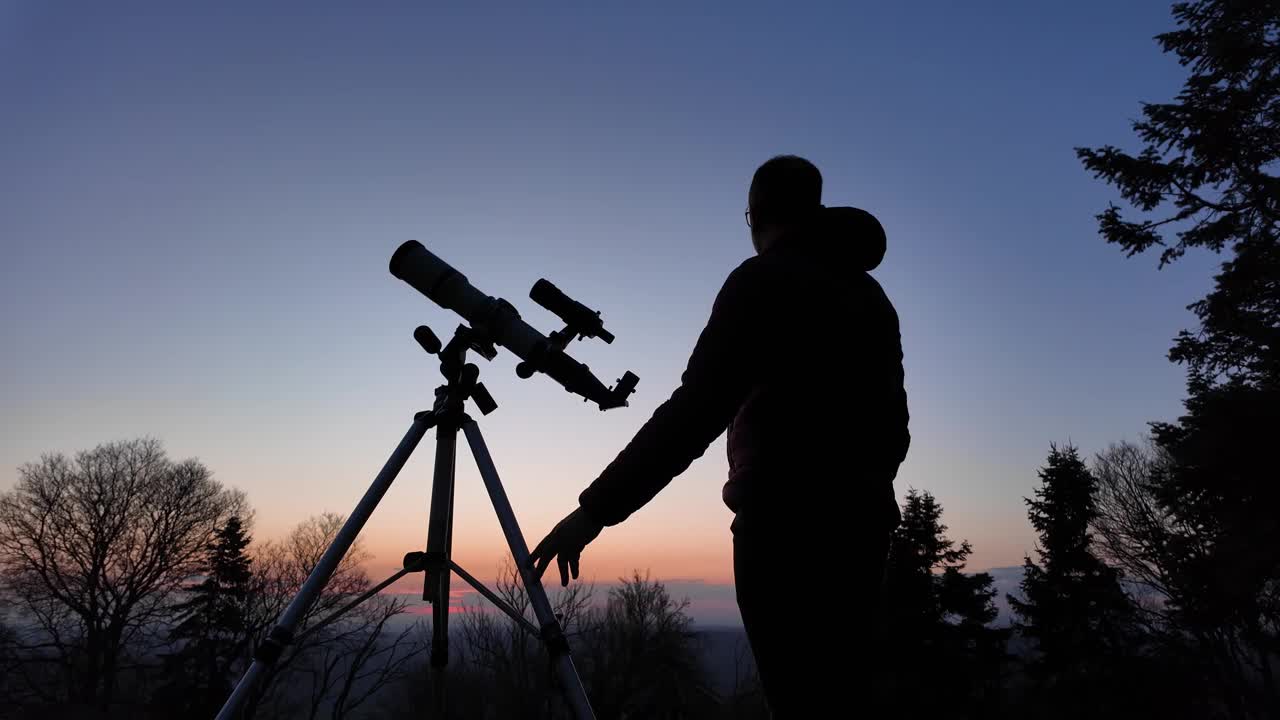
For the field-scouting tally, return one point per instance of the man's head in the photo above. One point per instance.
(785, 193)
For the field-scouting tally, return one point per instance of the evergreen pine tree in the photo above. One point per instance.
(944, 656)
(212, 619)
(1205, 177)
(1072, 608)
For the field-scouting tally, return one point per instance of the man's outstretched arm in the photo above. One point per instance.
(717, 378)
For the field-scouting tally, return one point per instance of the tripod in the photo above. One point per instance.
(448, 416)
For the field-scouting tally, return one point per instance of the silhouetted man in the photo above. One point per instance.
(801, 362)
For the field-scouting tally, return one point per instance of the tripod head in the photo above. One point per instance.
(461, 377)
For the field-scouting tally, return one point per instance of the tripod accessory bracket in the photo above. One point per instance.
(273, 646)
(554, 638)
(419, 561)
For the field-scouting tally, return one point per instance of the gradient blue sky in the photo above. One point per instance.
(198, 202)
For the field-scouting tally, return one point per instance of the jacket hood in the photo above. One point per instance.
(854, 235)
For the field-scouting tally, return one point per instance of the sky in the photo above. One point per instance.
(198, 203)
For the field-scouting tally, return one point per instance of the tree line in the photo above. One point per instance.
(1155, 591)
(130, 591)
(133, 588)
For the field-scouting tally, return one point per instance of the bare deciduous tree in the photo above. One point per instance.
(507, 659)
(642, 657)
(378, 657)
(1147, 541)
(1132, 527)
(330, 672)
(92, 548)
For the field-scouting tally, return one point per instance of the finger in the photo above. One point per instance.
(539, 560)
(573, 565)
(541, 550)
(564, 571)
(546, 549)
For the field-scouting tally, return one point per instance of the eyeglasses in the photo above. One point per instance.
(747, 214)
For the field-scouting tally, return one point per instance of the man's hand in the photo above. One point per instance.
(565, 542)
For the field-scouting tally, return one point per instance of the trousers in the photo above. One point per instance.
(811, 597)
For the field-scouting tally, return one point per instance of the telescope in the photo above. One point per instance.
(496, 321)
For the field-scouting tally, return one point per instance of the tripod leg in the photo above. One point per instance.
(282, 634)
(552, 633)
(435, 589)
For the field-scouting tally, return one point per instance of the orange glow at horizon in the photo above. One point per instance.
(690, 555)
(605, 561)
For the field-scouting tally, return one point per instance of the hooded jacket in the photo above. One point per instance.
(801, 363)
